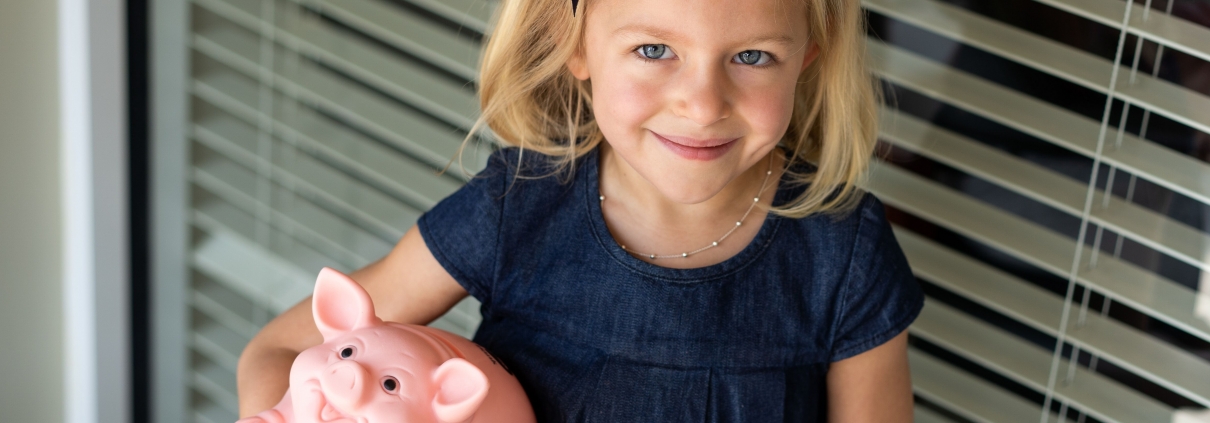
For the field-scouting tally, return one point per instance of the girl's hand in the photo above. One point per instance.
(406, 286)
(874, 386)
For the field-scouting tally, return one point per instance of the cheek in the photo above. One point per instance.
(767, 110)
(621, 105)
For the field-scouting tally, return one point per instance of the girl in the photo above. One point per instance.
(698, 252)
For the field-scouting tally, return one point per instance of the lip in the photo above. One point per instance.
(696, 149)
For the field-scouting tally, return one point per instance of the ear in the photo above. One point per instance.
(577, 64)
(340, 305)
(812, 54)
(461, 388)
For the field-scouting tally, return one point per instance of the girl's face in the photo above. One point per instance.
(692, 93)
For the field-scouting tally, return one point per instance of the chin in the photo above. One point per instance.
(688, 190)
(683, 180)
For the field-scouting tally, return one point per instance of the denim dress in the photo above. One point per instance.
(597, 335)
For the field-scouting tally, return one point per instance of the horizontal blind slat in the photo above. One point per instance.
(360, 205)
(272, 279)
(966, 395)
(1149, 228)
(1124, 282)
(298, 248)
(414, 84)
(341, 242)
(420, 137)
(208, 411)
(364, 159)
(450, 99)
(236, 184)
(1171, 31)
(224, 306)
(1029, 365)
(407, 32)
(218, 213)
(1126, 347)
(370, 64)
(1037, 118)
(216, 383)
(1178, 103)
(472, 14)
(260, 275)
(924, 415)
(218, 343)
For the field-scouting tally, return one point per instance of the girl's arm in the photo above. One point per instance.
(874, 386)
(407, 286)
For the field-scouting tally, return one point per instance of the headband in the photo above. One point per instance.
(573, 6)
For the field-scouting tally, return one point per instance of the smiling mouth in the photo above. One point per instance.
(704, 150)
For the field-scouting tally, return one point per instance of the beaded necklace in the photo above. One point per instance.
(738, 223)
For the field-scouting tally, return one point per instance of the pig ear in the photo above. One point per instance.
(340, 305)
(461, 388)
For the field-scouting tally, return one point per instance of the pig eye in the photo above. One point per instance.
(346, 352)
(390, 384)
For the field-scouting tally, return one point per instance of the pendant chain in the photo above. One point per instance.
(738, 223)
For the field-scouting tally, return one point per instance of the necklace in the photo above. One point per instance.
(738, 223)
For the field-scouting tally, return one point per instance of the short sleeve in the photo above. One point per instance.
(880, 296)
(463, 230)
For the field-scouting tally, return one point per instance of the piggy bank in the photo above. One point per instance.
(370, 371)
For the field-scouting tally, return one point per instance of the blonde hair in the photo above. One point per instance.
(530, 100)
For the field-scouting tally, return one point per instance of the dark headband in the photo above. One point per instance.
(573, 6)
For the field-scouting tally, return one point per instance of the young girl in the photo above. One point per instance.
(699, 252)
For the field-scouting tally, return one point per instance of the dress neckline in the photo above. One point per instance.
(596, 219)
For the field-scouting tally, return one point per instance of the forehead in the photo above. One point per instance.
(778, 21)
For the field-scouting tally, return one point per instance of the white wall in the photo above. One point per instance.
(31, 293)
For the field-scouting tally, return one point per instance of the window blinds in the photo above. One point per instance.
(316, 128)
(1009, 283)
(316, 131)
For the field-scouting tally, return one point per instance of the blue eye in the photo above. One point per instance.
(753, 57)
(653, 51)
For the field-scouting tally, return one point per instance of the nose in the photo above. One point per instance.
(700, 94)
(345, 384)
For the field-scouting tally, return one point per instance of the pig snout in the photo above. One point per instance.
(346, 385)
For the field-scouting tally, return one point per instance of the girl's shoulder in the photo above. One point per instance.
(855, 257)
(512, 169)
(518, 196)
(865, 213)
(529, 164)
(841, 237)
(857, 236)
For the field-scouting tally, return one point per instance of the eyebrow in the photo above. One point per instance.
(669, 35)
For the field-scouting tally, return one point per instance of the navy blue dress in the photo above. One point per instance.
(596, 335)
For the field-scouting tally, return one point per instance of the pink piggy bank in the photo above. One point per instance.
(370, 371)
